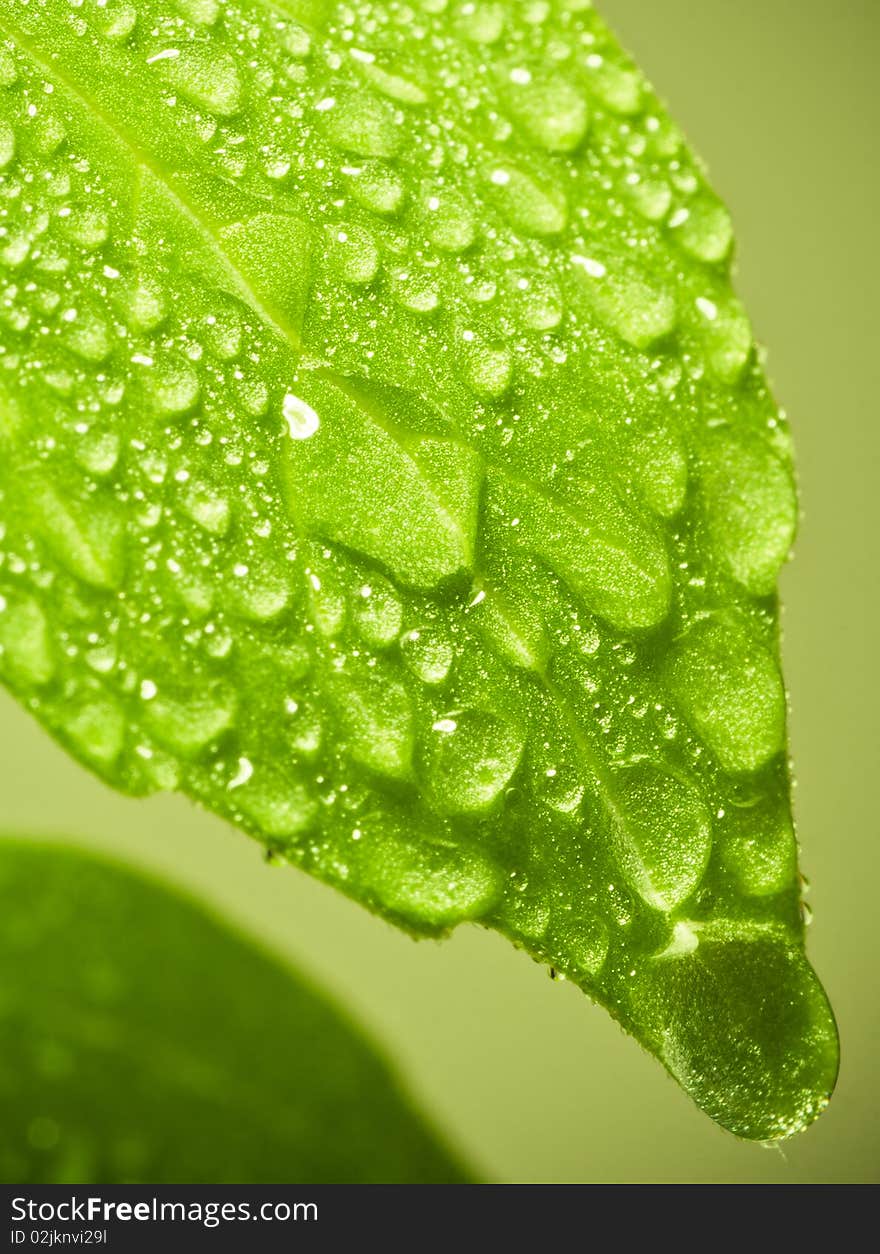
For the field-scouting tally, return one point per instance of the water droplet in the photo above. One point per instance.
(377, 716)
(174, 386)
(759, 848)
(428, 883)
(661, 471)
(96, 728)
(553, 113)
(489, 370)
(98, 452)
(189, 726)
(8, 72)
(730, 691)
(449, 221)
(363, 124)
(297, 41)
(746, 1029)
(751, 507)
(466, 770)
(302, 421)
(706, 232)
(585, 941)
(281, 808)
(378, 188)
(726, 340)
(88, 335)
(650, 197)
(354, 254)
(428, 653)
(480, 22)
(618, 89)
(145, 307)
(88, 226)
(207, 508)
(26, 653)
(663, 834)
(7, 143)
(118, 20)
(207, 79)
(378, 613)
(539, 302)
(395, 86)
(416, 291)
(223, 334)
(640, 313)
(199, 12)
(260, 593)
(534, 205)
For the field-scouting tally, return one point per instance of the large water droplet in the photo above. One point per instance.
(751, 507)
(209, 80)
(449, 221)
(429, 883)
(469, 758)
(553, 113)
(664, 834)
(535, 205)
(362, 124)
(376, 713)
(378, 188)
(428, 653)
(190, 725)
(730, 689)
(26, 654)
(302, 421)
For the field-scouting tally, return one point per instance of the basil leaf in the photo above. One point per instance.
(387, 464)
(143, 1041)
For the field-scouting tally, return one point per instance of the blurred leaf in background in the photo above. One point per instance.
(143, 1041)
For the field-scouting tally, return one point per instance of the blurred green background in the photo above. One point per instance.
(529, 1080)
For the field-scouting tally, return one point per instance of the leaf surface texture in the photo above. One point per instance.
(386, 464)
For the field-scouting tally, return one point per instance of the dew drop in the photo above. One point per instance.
(539, 302)
(427, 882)
(707, 232)
(751, 507)
(378, 188)
(618, 89)
(119, 21)
(354, 255)
(490, 370)
(363, 124)
(730, 691)
(554, 114)
(449, 221)
(378, 720)
(378, 613)
(302, 421)
(639, 313)
(174, 386)
(87, 226)
(187, 727)
(25, 647)
(7, 143)
(534, 205)
(207, 508)
(664, 834)
(209, 80)
(428, 653)
(467, 769)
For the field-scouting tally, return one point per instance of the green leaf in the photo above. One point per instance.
(142, 1040)
(387, 465)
